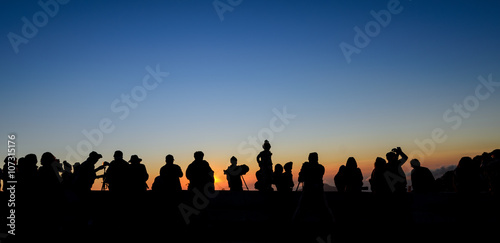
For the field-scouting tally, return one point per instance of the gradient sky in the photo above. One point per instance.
(227, 78)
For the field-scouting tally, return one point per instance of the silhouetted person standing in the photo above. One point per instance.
(352, 176)
(265, 174)
(233, 174)
(313, 198)
(288, 177)
(49, 178)
(199, 174)
(378, 181)
(467, 177)
(118, 172)
(169, 181)
(27, 174)
(86, 175)
(422, 180)
(395, 174)
(138, 175)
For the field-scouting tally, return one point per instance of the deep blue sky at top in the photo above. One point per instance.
(227, 76)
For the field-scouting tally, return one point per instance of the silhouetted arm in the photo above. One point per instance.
(404, 157)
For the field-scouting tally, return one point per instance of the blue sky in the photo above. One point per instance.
(226, 77)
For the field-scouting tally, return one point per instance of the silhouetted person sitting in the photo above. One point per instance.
(168, 181)
(118, 172)
(86, 174)
(378, 181)
(339, 179)
(138, 175)
(395, 174)
(422, 180)
(467, 178)
(233, 174)
(199, 174)
(265, 174)
(288, 177)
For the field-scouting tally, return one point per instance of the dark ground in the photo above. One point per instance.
(252, 216)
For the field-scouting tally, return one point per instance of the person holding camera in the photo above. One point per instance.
(397, 181)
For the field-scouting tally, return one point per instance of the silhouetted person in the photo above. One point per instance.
(288, 177)
(169, 181)
(48, 174)
(492, 171)
(233, 174)
(265, 174)
(278, 177)
(467, 177)
(395, 174)
(422, 180)
(138, 175)
(339, 179)
(199, 174)
(118, 172)
(445, 182)
(378, 181)
(27, 174)
(5, 172)
(352, 176)
(86, 174)
(313, 198)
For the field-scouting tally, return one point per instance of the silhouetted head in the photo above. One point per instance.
(169, 159)
(278, 168)
(415, 163)
(288, 166)
(341, 168)
(465, 163)
(313, 158)
(198, 155)
(391, 156)
(31, 159)
(380, 163)
(9, 159)
(351, 163)
(234, 160)
(118, 154)
(47, 159)
(495, 154)
(266, 146)
(134, 159)
(94, 156)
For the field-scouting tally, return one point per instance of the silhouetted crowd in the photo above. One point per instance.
(57, 187)
(478, 174)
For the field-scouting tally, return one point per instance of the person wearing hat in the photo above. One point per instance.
(86, 175)
(138, 175)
